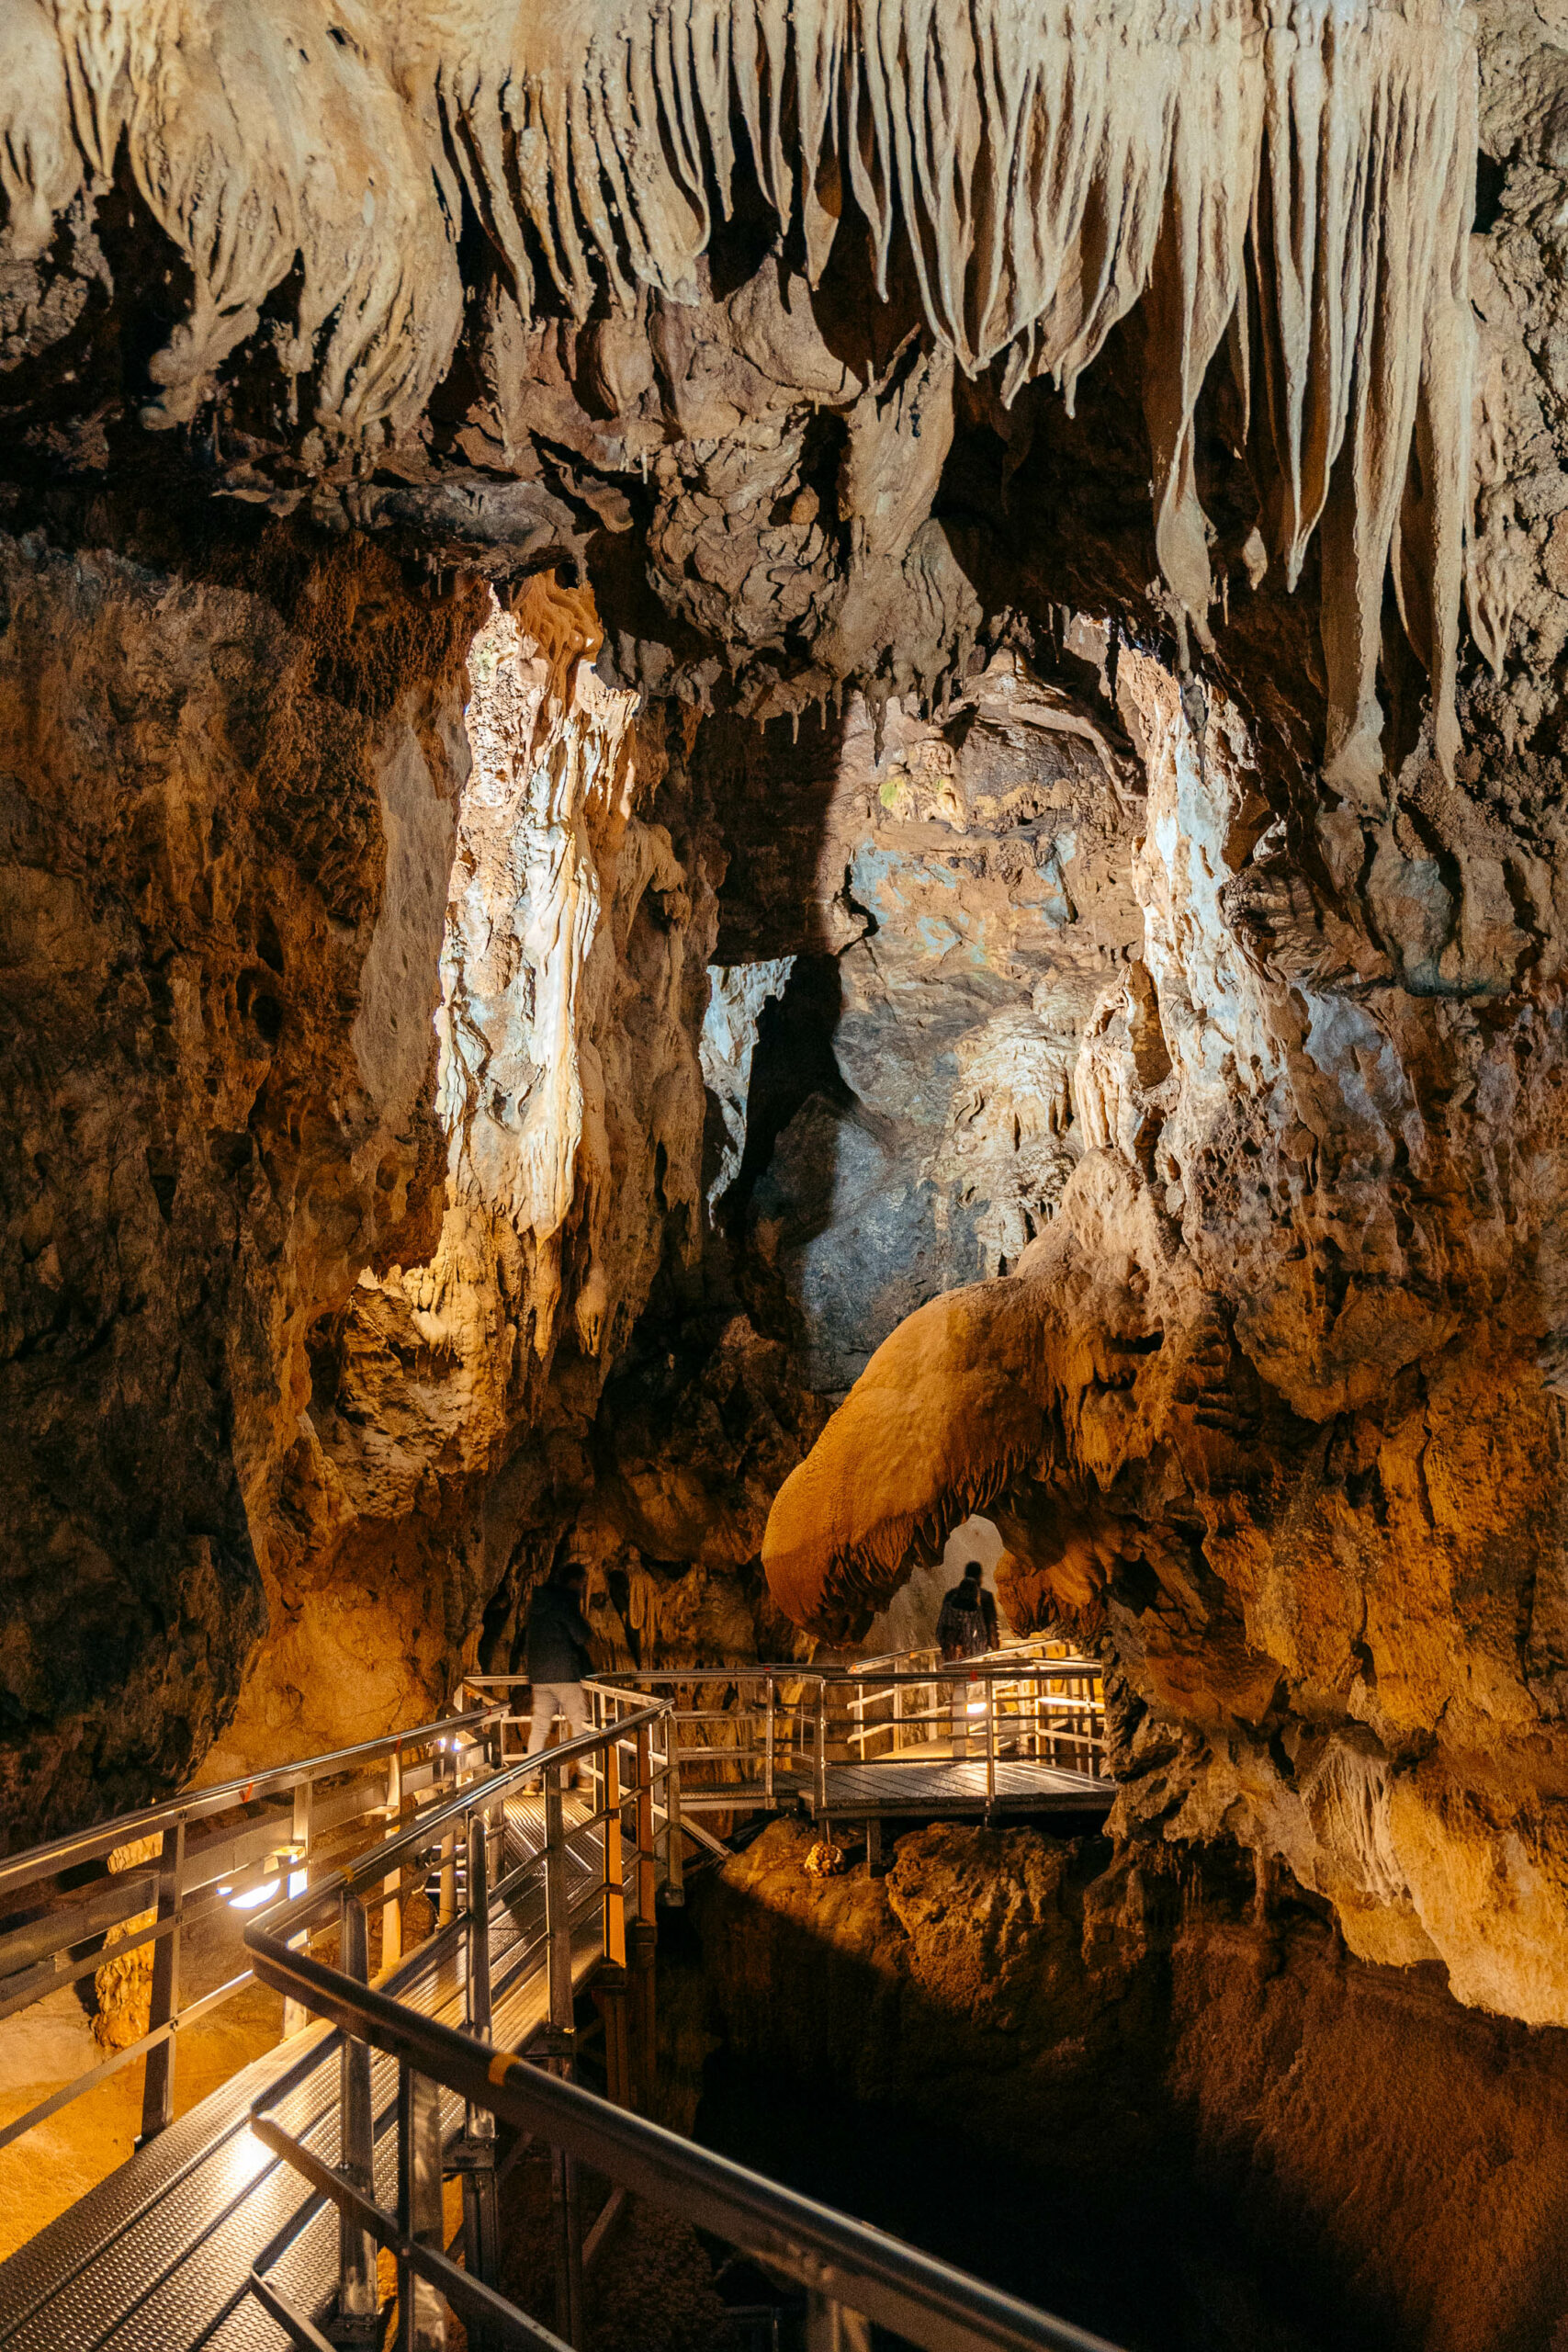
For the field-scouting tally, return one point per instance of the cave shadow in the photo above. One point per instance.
(1044, 2153)
(770, 788)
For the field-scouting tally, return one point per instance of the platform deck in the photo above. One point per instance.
(932, 1788)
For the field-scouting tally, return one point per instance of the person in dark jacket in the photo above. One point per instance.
(966, 1629)
(559, 1656)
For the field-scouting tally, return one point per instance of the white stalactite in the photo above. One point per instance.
(1296, 172)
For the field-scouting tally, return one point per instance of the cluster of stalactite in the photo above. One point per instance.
(1295, 182)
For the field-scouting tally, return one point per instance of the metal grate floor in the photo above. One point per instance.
(156, 2258)
(863, 1792)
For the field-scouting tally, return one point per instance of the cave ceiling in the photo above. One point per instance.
(721, 277)
(797, 761)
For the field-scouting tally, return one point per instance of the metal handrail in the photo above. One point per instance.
(789, 1722)
(842, 2262)
(304, 1912)
(162, 1889)
(195, 1805)
(763, 1670)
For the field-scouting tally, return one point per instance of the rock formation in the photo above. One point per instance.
(1272, 1397)
(1213, 2130)
(1300, 184)
(228, 797)
(621, 826)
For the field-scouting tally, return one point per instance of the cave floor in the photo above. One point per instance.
(49, 2045)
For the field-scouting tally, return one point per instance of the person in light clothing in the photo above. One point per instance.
(559, 1657)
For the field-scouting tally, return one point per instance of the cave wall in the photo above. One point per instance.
(229, 793)
(1140, 917)
(1271, 1399)
(446, 1443)
(1334, 2152)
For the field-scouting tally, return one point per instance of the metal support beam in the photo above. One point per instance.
(830, 2328)
(356, 2319)
(422, 2310)
(644, 2015)
(558, 1925)
(674, 1859)
(610, 1995)
(158, 2083)
(481, 2222)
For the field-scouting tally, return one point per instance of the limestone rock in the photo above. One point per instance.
(1010, 184)
(222, 798)
(1137, 2036)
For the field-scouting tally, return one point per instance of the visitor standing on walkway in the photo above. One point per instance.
(559, 1656)
(966, 1628)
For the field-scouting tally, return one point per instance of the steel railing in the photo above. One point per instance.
(45, 1925)
(631, 1774)
(759, 1737)
(845, 2266)
(747, 1738)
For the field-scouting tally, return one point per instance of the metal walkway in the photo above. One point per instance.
(936, 1788)
(880, 1739)
(160, 2254)
(268, 2213)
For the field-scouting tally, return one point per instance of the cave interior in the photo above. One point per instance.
(781, 792)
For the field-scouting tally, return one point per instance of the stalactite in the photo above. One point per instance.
(1048, 164)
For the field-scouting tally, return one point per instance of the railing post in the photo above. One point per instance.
(557, 1927)
(569, 2242)
(821, 1760)
(830, 2328)
(296, 2017)
(482, 2230)
(644, 1932)
(613, 1975)
(990, 1746)
(614, 1860)
(770, 1736)
(422, 2313)
(558, 1922)
(478, 1933)
(674, 1860)
(392, 1885)
(158, 2083)
(448, 1773)
(358, 2317)
(647, 1856)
